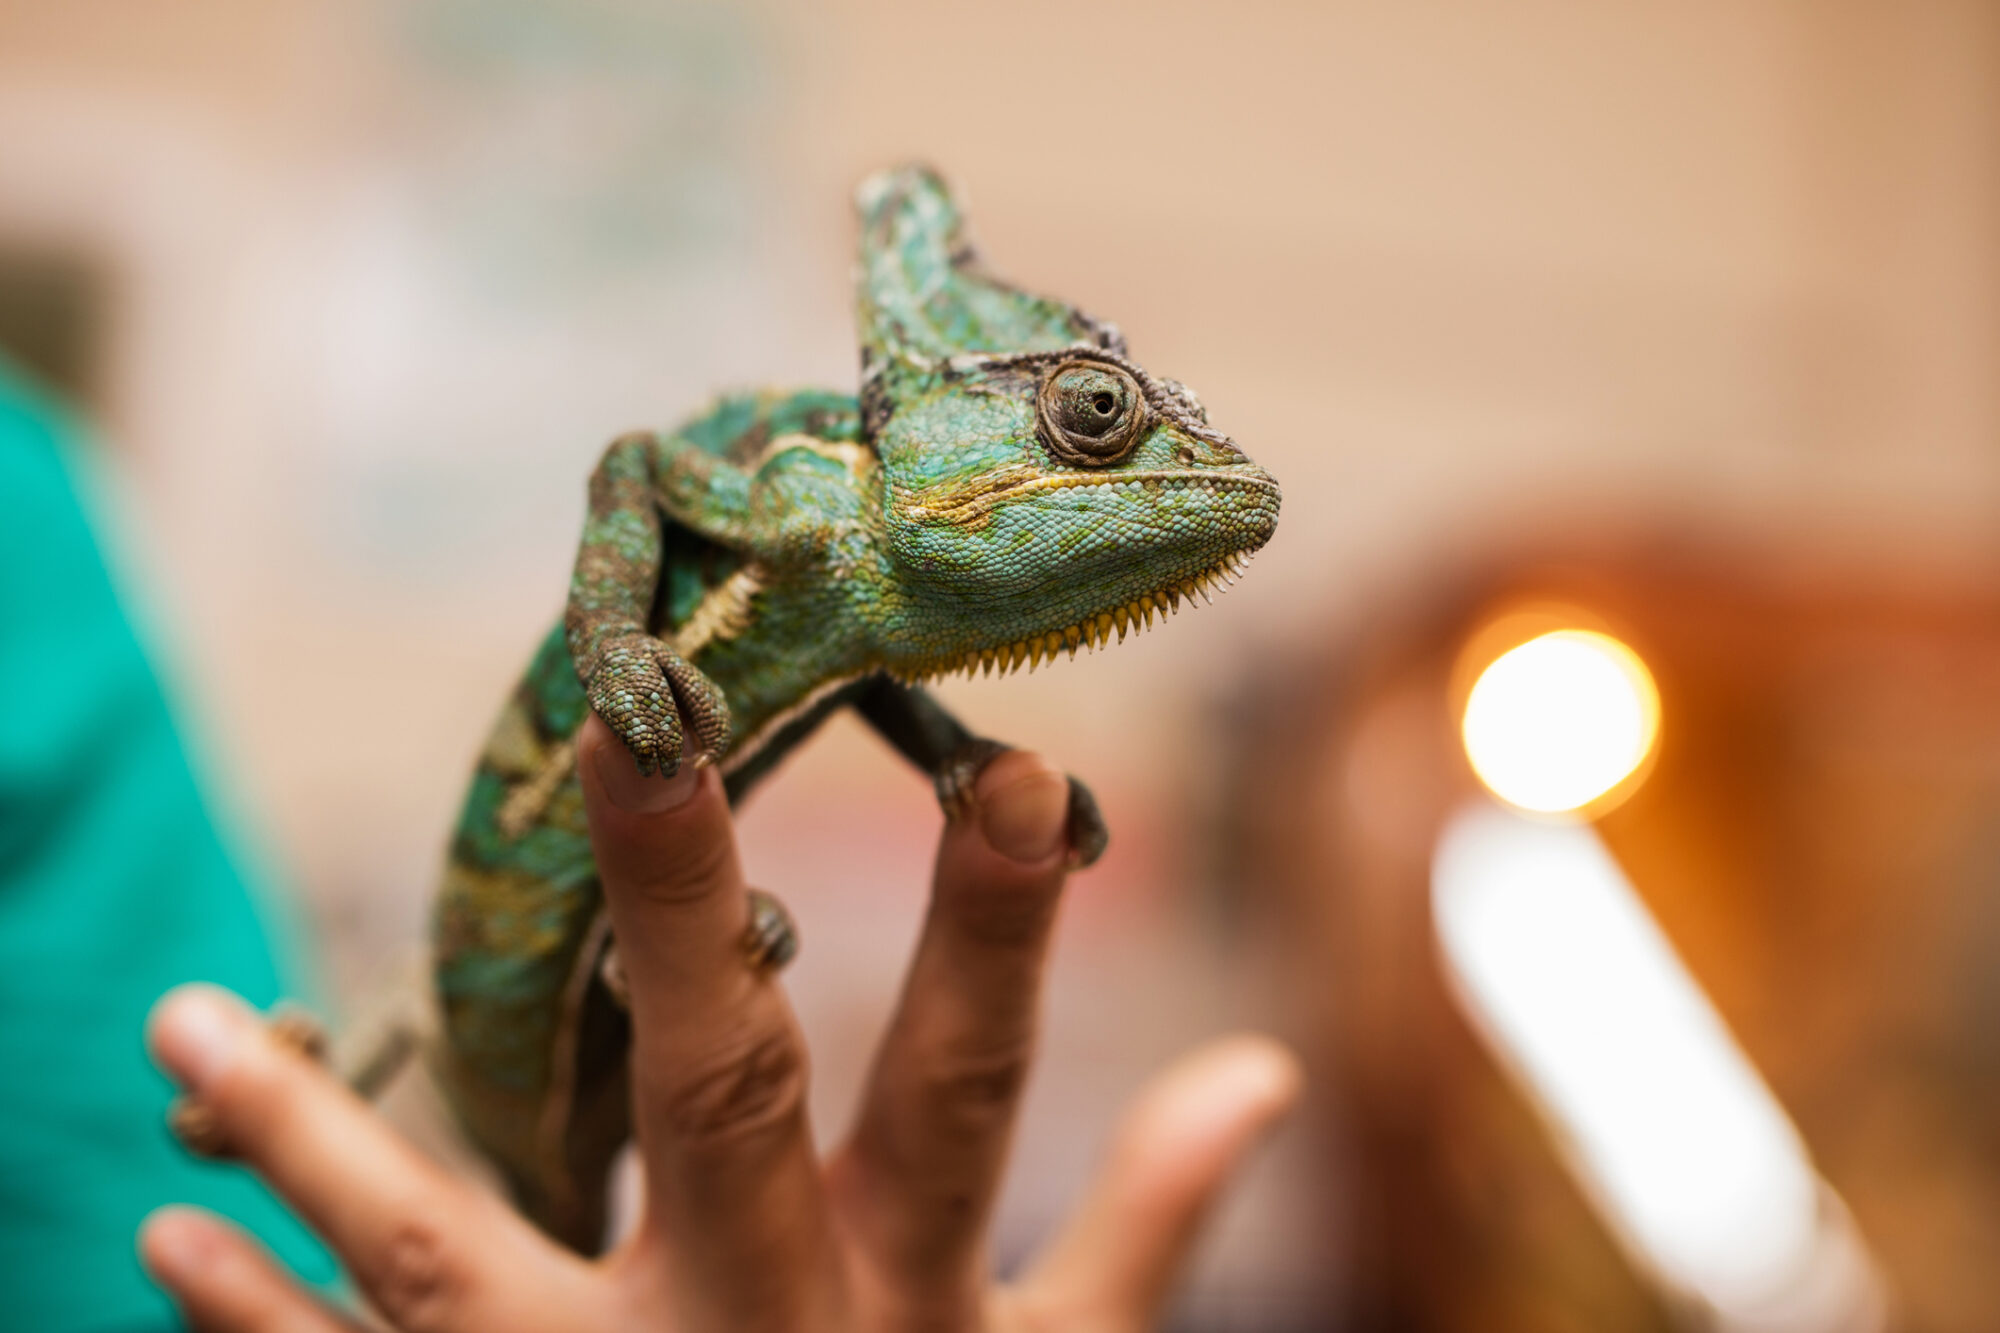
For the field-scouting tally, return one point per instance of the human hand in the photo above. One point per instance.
(744, 1227)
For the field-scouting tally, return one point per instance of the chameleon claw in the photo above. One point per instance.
(700, 705)
(611, 971)
(770, 939)
(294, 1028)
(1088, 834)
(957, 775)
(195, 1125)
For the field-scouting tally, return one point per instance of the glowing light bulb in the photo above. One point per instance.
(1561, 721)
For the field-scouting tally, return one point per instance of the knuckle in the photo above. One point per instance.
(975, 1087)
(416, 1279)
(746, 1088)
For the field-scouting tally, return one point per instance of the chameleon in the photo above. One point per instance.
(1007, 485)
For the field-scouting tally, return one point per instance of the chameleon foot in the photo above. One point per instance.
(1088, 835)
(770, 940)
(645, 692)
(195, 1124)
(958, 774)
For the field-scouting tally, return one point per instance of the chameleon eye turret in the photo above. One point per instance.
(1091, 413)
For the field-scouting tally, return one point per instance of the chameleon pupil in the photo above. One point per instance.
(1103, 403)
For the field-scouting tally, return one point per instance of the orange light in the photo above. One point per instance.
(1562, 722)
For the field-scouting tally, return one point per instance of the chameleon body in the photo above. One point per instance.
(1006, 485)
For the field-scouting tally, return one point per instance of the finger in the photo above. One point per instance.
(224, 1282)
(431, 1252)
(718, 1067)
(923, 1166)
(1180, 1142)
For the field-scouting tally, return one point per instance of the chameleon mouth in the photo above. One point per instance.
(969, 502)
(1090, 633)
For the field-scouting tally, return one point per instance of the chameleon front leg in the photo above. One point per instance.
(639, 684)
(939, 744)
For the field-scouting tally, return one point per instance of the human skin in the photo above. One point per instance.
(745, 1226)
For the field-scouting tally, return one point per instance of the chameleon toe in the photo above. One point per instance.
(702, 709)
(195, 1125)
(1088, 833)
(629, 690)
(956, 776)
(771, 939)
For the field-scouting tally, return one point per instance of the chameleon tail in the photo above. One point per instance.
(515, 937)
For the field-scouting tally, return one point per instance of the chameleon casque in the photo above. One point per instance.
(1007, 485)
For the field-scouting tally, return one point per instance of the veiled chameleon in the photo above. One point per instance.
(1007, 485)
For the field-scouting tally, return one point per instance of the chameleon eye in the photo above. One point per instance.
(1091, 412)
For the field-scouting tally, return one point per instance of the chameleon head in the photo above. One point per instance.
(1040, 490)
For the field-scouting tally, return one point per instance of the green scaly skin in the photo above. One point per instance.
(1006, 486)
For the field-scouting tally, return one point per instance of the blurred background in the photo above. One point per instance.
(1675, 319)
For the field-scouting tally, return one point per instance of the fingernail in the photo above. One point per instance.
(1025, 816)
(196, 1031)
(629, 789)
(177, 1244)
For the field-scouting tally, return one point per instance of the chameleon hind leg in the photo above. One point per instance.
(195, 1123)
(931, 738)
(366, 1060)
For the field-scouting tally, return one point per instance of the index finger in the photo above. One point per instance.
(734, 1207)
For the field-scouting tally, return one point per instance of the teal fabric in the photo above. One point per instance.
(114, 886)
